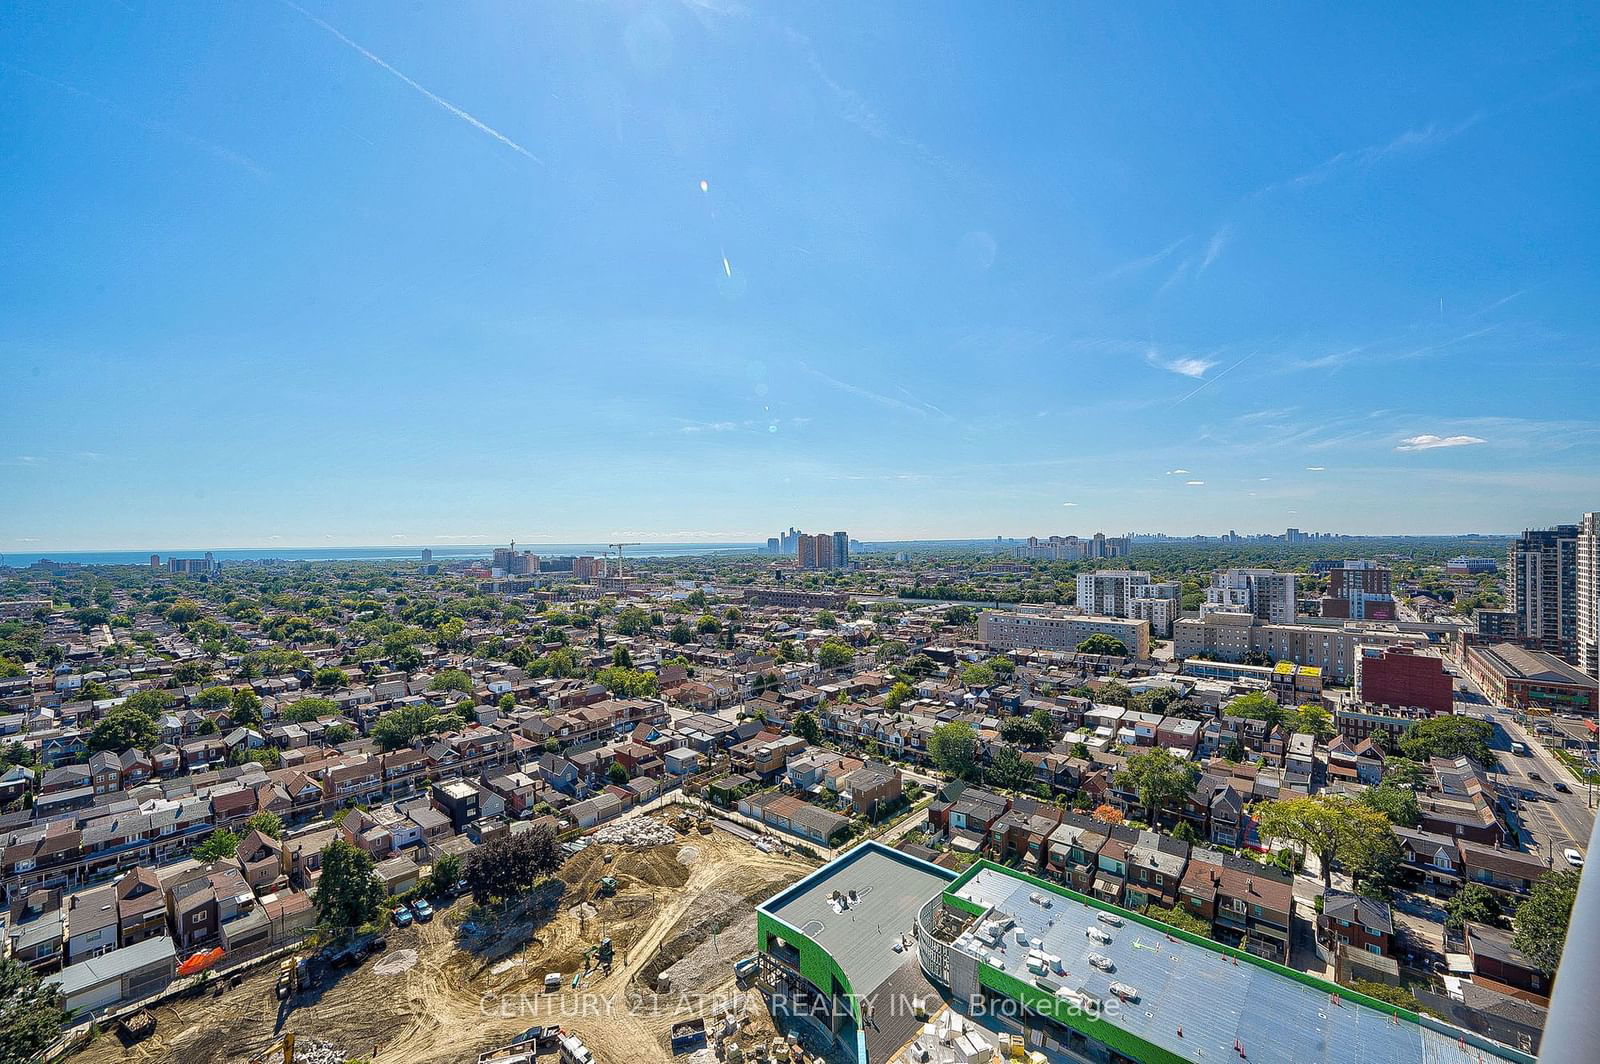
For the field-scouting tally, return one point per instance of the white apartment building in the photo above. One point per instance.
(1269, 596)
(1588, 580)
(1130, 593)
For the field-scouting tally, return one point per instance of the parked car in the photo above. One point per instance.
(1574, 858)
(401, 916)
(1535, 777)
(423, 910)
(1562, 787)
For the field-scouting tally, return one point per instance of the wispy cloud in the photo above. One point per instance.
(1194, 483)
(910, 405)
(1144, 262)
(1069, 504)
(1176, 472)
(216, 151)
(1430, 442)
(1219, 241)
(1363, 158)
(1211, 380)
(1185, 367)
(1315, 468)
(465, 116)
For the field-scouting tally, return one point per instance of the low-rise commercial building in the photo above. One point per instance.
(1530, 679)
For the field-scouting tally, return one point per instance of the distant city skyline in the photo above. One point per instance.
(666, 271)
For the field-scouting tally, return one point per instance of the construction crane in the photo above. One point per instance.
(618, 548)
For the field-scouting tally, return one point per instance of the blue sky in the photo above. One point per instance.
(366, 274)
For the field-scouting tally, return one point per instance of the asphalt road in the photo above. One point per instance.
(1554, 821)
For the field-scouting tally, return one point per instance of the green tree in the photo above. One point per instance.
(1177, 917)
(398, 728)
(1473, 903)
(328, 678)
(349, 894)
(1541, 920)
(627, 683)
(806, 727)
(1314, 720)
(680, 634)
(708, 625)
(266, 822)
(511, 864)
(1030, 730)
(338, 734)
(302, 710)
(953, 746)
(632, 620)
(1403, 772)
(31, 1012)
(451, 680)
(444, 875)
(123, 729)
(959, 615)
(1256, 705)
(1333, 827)
(897, 696)
(1100, 643)
(978, 674)
(183, 611)
(1009, 770)
(10, 667)
(245, 705)
(1158, 777)
(835, 655)
(826, 619)
(618, 773)
(890, 651)
(218, 845)
(1396, 803)
(151, 703)
(621, 658)
(1448, 737)
(213, 698)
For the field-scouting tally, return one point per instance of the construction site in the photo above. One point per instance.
(629, 950)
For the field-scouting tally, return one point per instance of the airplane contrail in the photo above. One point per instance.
(471, 120)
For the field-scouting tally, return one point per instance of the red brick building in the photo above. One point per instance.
(1398, 676)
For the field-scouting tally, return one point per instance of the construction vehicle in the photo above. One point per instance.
(608, 887)
(288, 978)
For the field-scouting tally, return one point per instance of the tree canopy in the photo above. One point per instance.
(31, 1012)
(1449, 737)
(1541, 920)
(1100, 643)
(349, 893)
(954, 748)
(123, 729)
(1157, 776)
(1009, 770)
(1335, 828)
(511, 864)
(834, 654)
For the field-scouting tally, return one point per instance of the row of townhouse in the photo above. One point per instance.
(1245, 903)
(117, 830)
